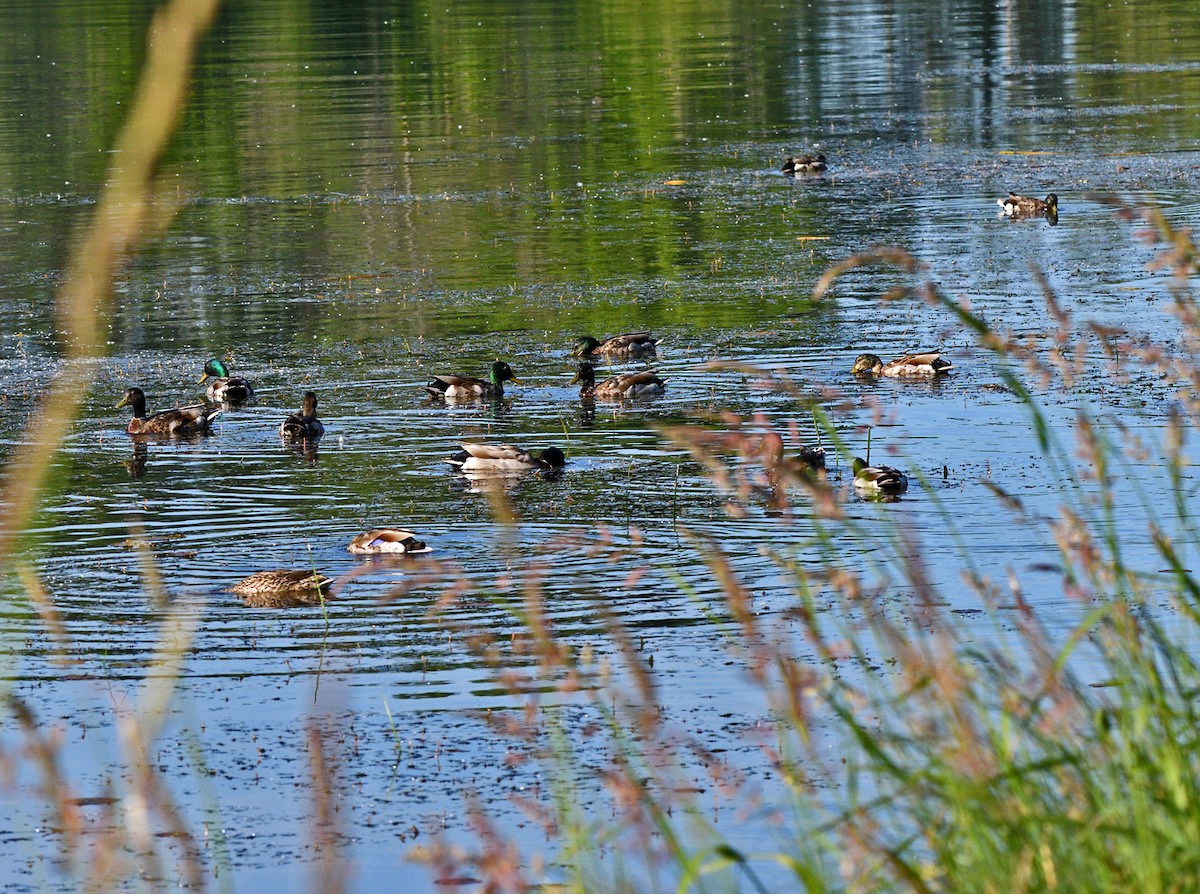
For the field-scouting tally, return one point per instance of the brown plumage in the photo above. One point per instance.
(625, 385)
(282, 588)
(925, 365)
(305, 423)
(630, 344)
(181, 422)
(1027, 206)
(392, 541)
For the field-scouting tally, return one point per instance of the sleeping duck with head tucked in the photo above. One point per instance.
(505, 458)
(925, 365)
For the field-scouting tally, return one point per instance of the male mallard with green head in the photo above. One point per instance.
(878, 479)
(388, 541)
(282, 588)
(224, 388)
(460, 387)
(181, 422)
(506, 458)
(1026, 206)
(305, 423)
(630, 344)
(925, 365)
(622, 386)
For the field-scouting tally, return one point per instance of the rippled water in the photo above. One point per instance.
(368, 197)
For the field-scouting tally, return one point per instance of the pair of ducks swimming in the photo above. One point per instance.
(1015, 206)
(197, 419)
(632, 345)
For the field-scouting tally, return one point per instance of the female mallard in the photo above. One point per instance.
(225, 388)
(631, 344)
(505, 458)
(459, 387)
(878, 479)
(909, 366)
(282, 588)
(387, 540)
(803, 164)
(305, 423)
(626, 385)
(1026, 206)
(181, 422)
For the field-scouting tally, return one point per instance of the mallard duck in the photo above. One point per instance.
(282, 588)
(181, 422)
(1025, 206)
(505, 458)
(878, 479)
(812, 457)
(631, 344)
(909, 366)
(387, 540)
(305, 423)
(224, 388)
(458, 387)
(625, 385)
(803, 164)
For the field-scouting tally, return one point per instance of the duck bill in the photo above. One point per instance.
(575, 380)
(124, 403)
(516, 381)
(203, 379)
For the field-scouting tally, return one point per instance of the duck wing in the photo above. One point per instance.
(629, 341)
(387, 540)
(499, 452)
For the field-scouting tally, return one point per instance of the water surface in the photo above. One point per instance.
(364, 197)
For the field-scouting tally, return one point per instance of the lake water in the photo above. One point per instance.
(368, 196)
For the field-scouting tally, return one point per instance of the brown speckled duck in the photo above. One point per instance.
(181, 422)
(282, 588)
(625, 385)
(629, 344)
(304, 424)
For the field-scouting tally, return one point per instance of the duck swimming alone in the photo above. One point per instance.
(878, 479)
(305, 423)
(225, 388)
(630, 344)
(282, 588)
(181, 422)
(625, 385)
(925, 365)
(1026, 206)
(803, 164)
(460, 387)
(390, 541)
(506, 458)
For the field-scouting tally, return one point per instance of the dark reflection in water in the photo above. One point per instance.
(369, 195)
